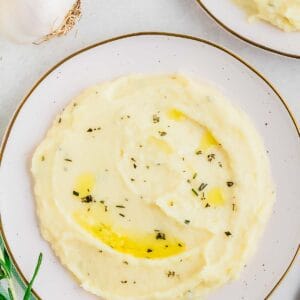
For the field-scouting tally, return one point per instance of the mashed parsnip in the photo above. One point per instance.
(285, 14)
(152, 187)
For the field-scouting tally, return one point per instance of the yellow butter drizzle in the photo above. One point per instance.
(143, 245)
(207, 141)
(176, 115)
(84, 184)
(215, 197)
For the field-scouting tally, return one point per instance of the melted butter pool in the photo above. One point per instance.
(176, 115)
(138, 244)
(84, 184)
(207, 141)
(215, 197)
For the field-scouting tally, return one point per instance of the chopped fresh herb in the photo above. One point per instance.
(105, 208)
(123, 281)
(187, 221)
(75, 193)
(233, 206)
(59, 120)
(171, 274)
(100, 251)
(67, 159)
(195, 175)
(149, 250)
(228, 233)
(202, 187)
(207, 205)
(134, 282)
(132, 179)
(179, 245)
(42, 158)
(133, 159)
(147, 167)
(87, 199)
(135, 166)
(211, 156)
(122, 215)
(155, 118)
(198, 152)
(220, 164)
(120, 206)
(102, 201)
(229, 183)
(188, 181)
(125, 262)
(160, 236)
(89, 130)
(162, 133)
(194, 192)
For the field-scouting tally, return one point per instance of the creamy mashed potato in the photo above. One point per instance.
(152, 187)
(284, 14)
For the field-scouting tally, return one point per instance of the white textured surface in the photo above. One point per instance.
(21, 66)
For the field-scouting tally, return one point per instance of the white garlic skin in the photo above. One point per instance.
(27, 21)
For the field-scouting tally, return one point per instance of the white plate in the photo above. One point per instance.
(150, 53)
(259, 33)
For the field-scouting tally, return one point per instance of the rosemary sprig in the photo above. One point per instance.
(6, 273)
(36, 270)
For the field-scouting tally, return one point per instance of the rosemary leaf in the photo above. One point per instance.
(10, 294)
(5, 271)
(37, 267)
(2, 297)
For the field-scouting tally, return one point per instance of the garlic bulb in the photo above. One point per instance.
(34, 21)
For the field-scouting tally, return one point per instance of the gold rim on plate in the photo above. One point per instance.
(253, 43)
(183, 36)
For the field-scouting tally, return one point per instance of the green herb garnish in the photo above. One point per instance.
(202, 187)
(160, 236)
(155, 118)
(120, 206)
(194, 192)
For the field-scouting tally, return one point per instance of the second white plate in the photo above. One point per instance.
(259, 33)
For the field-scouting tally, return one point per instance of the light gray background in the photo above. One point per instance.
(22, 65)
